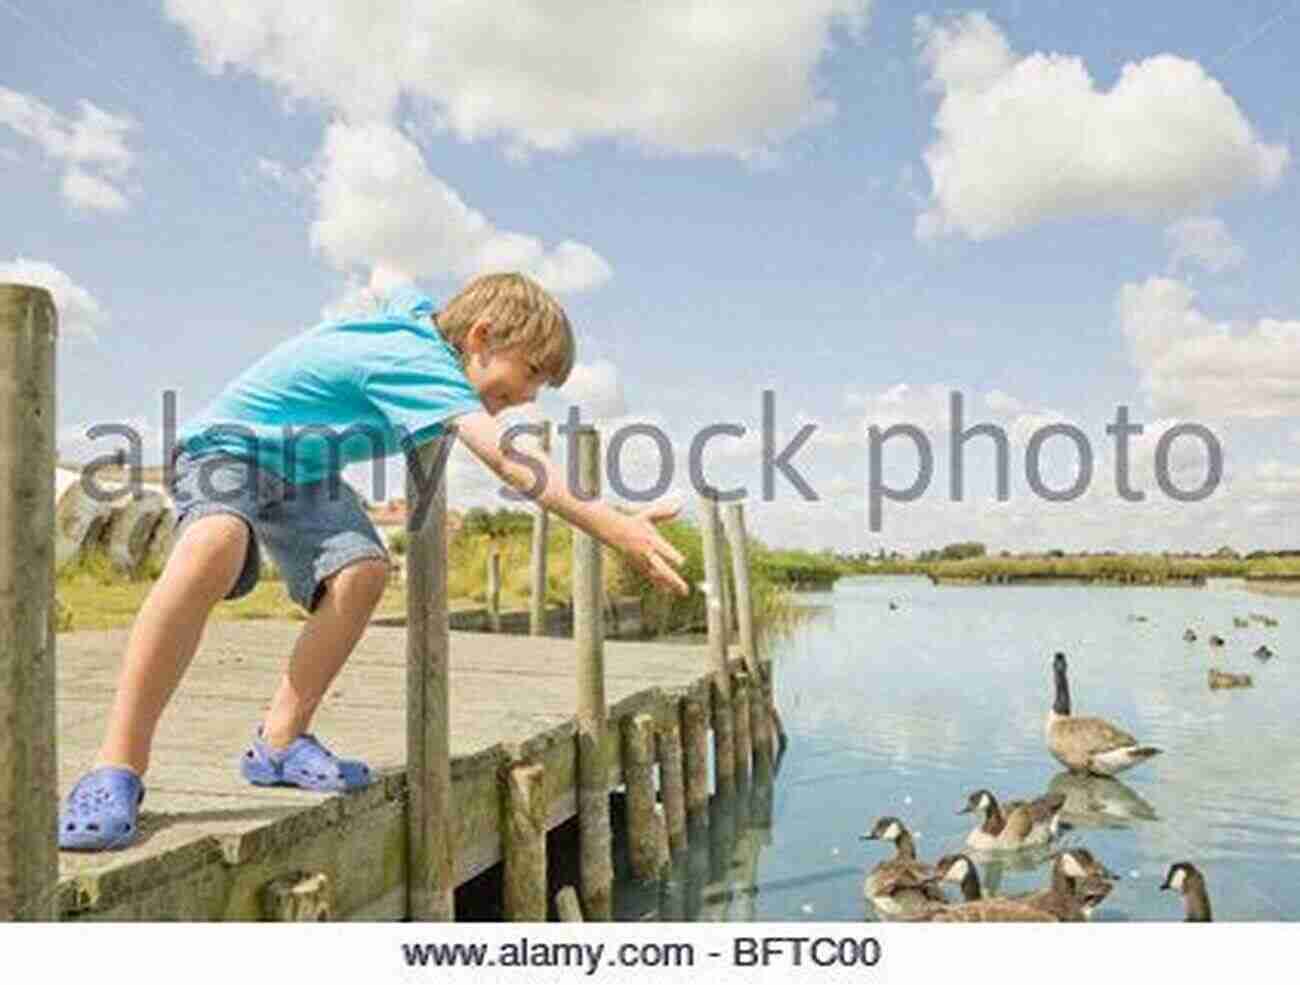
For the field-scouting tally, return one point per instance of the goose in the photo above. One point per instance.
(1189, 635)
(1187, 879)
(1216, 640)
(1221, 679)
(1264, 652)
(1262, 619)
(1239, 623)
(974, 908)
(900, 884)
(1014, 825)
(1079, 882)
(1088, 745)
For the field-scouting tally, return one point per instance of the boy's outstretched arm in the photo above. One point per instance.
(634, 535)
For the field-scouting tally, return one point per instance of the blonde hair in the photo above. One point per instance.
(520, 312)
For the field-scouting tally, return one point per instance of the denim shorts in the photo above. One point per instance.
(311, 530)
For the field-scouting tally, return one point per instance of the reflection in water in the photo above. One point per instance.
(1100, 801)
(903, 712)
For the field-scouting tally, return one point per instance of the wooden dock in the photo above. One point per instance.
(210, 842)
(483, 743)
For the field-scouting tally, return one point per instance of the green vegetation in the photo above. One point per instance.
(93, 595)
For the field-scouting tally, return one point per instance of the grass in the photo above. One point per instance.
(92, 595)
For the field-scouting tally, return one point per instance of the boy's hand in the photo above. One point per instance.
(648, 551)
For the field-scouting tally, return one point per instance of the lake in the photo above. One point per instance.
(905, 711)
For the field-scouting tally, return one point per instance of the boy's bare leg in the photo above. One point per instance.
(202, 568)
(325, 643)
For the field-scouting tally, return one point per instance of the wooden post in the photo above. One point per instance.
(567, 905)
(537, 567)
(668, 748)
(28, 760)
(298, 897)
(639, 778)
(724, 756)
(596, 869)
(494, 589)
(761, 698)
(695, 754)
(524, 895)
(430, 848)
(740, 698)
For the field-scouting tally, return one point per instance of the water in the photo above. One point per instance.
(904, 712)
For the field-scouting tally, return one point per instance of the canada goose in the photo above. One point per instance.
(1090, 745)
(1137, 617)
(1187, 879)
(1189, 635)
(974, 908)
(900, 884)
(893, 606)
(1221, 679)
(1264, 652)
(1239, 623)
(1014, 825)
(1216, 640)
(1099, 801)
(1262, 619)
(1079, 882)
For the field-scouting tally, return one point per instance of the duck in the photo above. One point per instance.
(1216, 640)
(1189, 635)
(1014, 825)
(1239, 623)
(1079, 882)
(1088, 745)
(1264, 652)
(1263, 619)
(1221, 679)
(901, 884)
(1186, 878)
(974, 907)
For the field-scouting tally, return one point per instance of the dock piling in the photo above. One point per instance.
(596, 869)
(524, 850)
(28, 762)
(639, 779)
(766, 718)
(668, 749)
(430, 848)
(537, 566)
(724, 756)
(740, 701)
(695, 754)
(494, 589)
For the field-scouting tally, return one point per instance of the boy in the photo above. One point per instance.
(263, 460)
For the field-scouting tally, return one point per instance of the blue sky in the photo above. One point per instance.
(861, 206)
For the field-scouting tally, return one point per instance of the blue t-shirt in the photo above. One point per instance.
(345, 391)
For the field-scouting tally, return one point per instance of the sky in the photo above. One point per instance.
(1051, 210)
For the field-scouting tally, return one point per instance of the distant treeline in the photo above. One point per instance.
(1146, 569)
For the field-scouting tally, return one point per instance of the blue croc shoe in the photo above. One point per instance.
(101, 811)
(305, 763)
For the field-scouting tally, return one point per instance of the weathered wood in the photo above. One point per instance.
(596, 867)
(524, 827)
(494, 589)
(639, 779)
(28, 756)
(740, 701)
(537, 566)
(430, 845)
(724, 756)
(764, 716)
(695, 754)
(668, 749)
(567, 905)
(298, 898)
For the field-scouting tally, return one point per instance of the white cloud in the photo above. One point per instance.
(1194, 366)
(80, 315)
(1021, 139)
(596, 389)
(676, 75)
(1204, 240)
(380, 209)
(92, 147)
